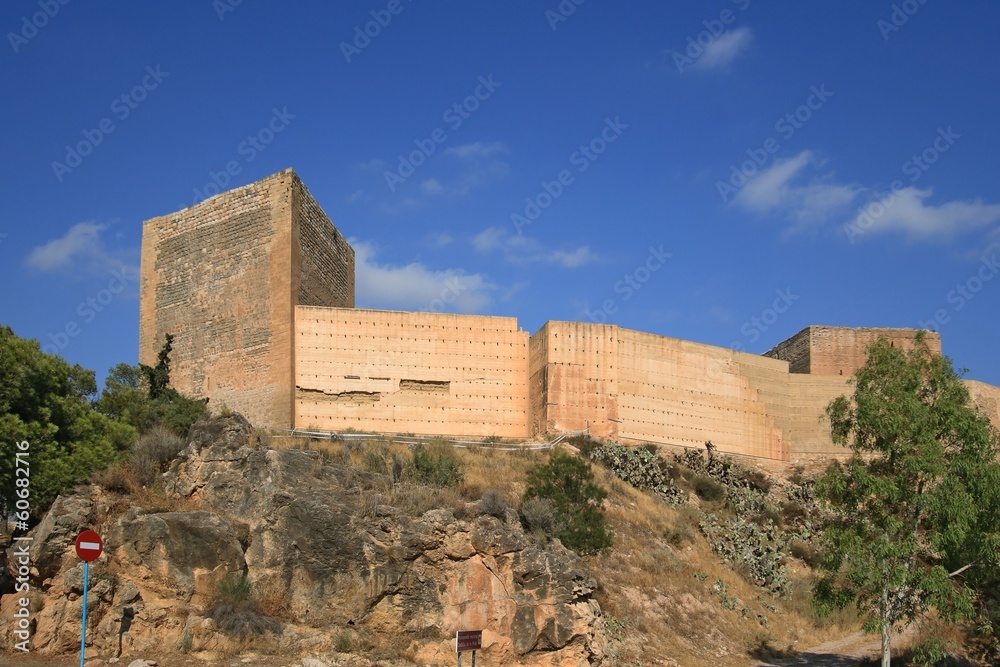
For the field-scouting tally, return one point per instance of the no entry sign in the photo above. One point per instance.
(89, 545)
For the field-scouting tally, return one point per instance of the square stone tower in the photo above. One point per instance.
(224, 278)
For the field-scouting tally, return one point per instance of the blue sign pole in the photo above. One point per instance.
(83, 628)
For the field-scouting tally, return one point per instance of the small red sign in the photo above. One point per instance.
(468, 640)
(89, 545)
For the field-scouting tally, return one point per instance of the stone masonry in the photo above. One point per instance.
(257, 287)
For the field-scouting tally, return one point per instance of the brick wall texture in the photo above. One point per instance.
(257, 286)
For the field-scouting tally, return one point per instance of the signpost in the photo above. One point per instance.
(468, 640)
(88, 547)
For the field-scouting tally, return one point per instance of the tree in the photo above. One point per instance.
(141, 395)
(917, 522)
(44, 402)
(568, 482)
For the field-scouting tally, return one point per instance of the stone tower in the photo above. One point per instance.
(224, 278)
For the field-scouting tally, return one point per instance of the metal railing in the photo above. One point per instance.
(334, 436)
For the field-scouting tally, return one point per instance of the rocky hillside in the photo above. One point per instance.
(292, 553)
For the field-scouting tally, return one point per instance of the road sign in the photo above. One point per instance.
(89, 545)
(468, 640)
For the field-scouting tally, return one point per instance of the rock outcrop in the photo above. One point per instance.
(322, 543)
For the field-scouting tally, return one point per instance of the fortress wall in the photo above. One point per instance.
(795, 351)
(682, 393)
(402, 372)
(538, 385)
(809, 428)
(638, 386)
(217, 276)
(324, 258)
(987, 397)
(842, 350)
(580, 373)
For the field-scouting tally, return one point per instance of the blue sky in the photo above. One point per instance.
(725, 172)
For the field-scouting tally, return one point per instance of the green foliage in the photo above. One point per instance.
(126, 399)
(569, 483)
(642, 468)
(158, 377)
(435, 464)
(708, 489)
(45, 402)
(918, 505)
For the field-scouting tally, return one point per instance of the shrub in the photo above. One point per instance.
(642, 468)
(707, 488)
(375, 461)
(568, 482)
(116, 477)
(151, 453)
(540, 516)
(584, 443)
(235, 610)
(493, 504)
(435, 464)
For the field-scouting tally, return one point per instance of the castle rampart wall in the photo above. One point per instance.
(404, 372)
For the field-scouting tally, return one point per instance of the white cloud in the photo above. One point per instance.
(812, 203)
(416, 287)
(356, 196)
(477, 150)
(81, 250)
(520, 249)
(906, 211)
(441, 239)
(369, 165)
(431, 186)
(725, 49)
(571, 260)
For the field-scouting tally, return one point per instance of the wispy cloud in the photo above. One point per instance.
(375, 164)
(414, 286)
(477, 150)
(520, 249)
(356, 196)
(780, 189)
(725, 49)
(907, 211)
(82, 250)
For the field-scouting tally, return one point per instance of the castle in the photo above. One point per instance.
(257, 287)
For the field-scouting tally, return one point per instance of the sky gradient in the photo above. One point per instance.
(724, 172)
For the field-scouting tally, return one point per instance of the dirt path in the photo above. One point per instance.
(846, 652)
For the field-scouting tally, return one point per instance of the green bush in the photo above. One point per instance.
(568, 482)
(435, 464)
(707, 488)
(642, 468)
